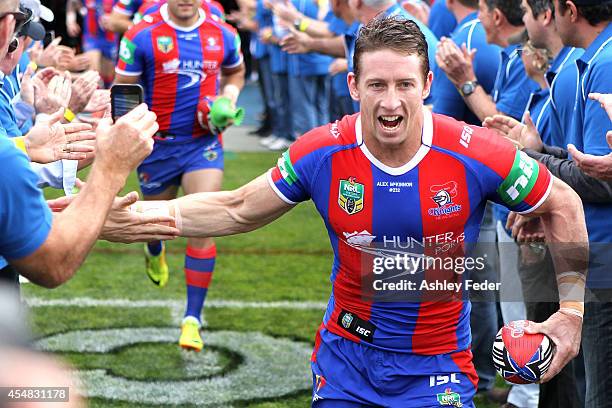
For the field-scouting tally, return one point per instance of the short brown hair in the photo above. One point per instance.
(394, 33)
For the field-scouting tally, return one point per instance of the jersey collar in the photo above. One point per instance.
(426, 140)
(163, 10)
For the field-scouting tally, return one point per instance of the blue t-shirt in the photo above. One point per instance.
(311, 63)
(562, 82)
(590, 125)
(338, 81)
(257, 47)
(446, 98)
(512, 85)
(25, 218)
(441, 21)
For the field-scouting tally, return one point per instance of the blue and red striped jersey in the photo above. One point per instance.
(127, 7)
(178, 66)
(95, 10)
(434, 202)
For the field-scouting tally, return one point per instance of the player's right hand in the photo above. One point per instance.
(124, 145)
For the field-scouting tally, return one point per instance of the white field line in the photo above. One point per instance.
(173, 304)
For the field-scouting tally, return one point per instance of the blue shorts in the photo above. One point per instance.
(106, 47)
(168, 162)
(347, 374)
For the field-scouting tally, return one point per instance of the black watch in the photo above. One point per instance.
(468, 88)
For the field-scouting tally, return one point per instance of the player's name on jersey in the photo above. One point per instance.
(406, 285)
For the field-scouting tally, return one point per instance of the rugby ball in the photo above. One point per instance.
(519, 357)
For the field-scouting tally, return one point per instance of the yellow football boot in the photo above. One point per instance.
(156, 266)
(190, 335)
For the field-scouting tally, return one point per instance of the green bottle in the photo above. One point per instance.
(222, 112)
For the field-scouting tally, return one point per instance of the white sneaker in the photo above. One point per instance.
(280, 144)
(268, 140)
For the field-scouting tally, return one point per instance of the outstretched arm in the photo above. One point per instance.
(226, 212)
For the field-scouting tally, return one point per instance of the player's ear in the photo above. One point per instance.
(427, 85)
(352, 85)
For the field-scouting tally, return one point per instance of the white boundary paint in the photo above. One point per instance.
(272, 367)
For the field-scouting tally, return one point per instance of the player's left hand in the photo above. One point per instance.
(124, 225)
(457, 63)
(127, 226)
(565, 330)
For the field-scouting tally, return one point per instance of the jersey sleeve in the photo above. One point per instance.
(296, 169)
(25, 217)
(131, 52)
(127, 7)
(509, 176)
(232, 56)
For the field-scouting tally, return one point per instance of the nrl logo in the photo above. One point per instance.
(350, 196)
(449, 398)
(347, 320)
(165, 44)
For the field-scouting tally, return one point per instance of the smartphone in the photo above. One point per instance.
(49, 37)
(124, 98)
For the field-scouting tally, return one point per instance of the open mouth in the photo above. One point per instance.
(390, 122)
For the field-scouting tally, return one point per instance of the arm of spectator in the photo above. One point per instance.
(49, 141)
(555, 159)
(457, 64)
(418, 10)
(83, 89)
(300, 43)
(589, 189)
(55, 55)
(338, 66)
(120, 148)
(49, 98)
(119, 22)
(599, 167)
(605, 100)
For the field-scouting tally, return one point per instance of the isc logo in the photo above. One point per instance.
(435, 380)
(466, 136)
(362, 331)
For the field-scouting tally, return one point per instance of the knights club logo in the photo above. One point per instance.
(350, 195)
(165, 44)
(443, 196)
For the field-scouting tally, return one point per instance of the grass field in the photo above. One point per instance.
(120, 331)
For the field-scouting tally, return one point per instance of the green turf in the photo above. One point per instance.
(289, 260)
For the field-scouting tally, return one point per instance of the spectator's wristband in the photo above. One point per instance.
(69, 115)
(20, 143)
(304, 24)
